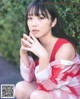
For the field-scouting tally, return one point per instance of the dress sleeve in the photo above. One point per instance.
(27, 73)
(44, 74)
(59, 74)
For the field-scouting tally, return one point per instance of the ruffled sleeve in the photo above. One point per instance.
(43, 75)
(59, 74)
(27, 73)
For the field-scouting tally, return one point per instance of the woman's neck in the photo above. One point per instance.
(48, 43)
(47, 40)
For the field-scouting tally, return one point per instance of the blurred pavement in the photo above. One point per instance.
(9, 74)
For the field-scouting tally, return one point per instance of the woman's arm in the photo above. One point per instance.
(27, 64)
(27, 70)
(35, 47)
(66, 52)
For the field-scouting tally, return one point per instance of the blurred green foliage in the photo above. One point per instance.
(12, 24)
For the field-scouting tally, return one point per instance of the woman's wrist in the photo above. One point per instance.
(43, 55)
(24, 58)
(23, 52)
(43, 62)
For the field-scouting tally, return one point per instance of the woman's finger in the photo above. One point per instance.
(33, 37)
(27, 48)
(28, 38)
(26, 43)
(24, 36)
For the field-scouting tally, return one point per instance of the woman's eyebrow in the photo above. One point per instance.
(30, 14)
(35, 15)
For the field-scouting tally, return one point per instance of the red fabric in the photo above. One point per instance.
(64, 80)
(56, 47)
(55, 71)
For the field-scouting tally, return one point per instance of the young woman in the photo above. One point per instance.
(49, 63)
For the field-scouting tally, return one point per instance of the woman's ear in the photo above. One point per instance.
(54, 22)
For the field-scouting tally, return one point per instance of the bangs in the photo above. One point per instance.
(37, 9)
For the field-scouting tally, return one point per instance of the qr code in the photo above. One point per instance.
(7, 90)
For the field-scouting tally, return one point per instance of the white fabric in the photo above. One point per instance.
(44, 74)
(67, 62)
(24, 72)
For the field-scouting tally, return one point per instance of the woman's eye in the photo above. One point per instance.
(29, 18)
(41, 17)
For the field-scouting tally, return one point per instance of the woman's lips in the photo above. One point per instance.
(35, 31)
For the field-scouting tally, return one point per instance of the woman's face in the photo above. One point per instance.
(39, 26)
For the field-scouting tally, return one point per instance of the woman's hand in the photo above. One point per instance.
(22, 50)
(23, 53)
(32, 44)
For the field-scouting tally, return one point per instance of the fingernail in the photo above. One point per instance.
(24, 34)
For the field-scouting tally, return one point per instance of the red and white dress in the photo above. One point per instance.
(61, 79)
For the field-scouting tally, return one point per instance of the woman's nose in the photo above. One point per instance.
(34, 23)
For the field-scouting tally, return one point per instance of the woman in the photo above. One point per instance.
(49, 63)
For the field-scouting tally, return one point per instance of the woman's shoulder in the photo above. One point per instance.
(64, 42)
(65, 50)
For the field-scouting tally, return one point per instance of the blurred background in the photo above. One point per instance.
(12, 24)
